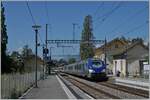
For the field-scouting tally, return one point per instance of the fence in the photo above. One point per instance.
(13, 85)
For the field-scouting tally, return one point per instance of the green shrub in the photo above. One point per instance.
(14, 94)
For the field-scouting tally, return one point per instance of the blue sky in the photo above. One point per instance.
(61, 16)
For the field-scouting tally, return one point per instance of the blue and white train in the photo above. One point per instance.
(91, 68)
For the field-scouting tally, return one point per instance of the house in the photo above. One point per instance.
(112, 47)
(131, 59)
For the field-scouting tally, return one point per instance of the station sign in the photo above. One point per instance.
(147, 67)
(45, 51)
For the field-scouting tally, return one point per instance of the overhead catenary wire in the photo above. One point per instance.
(33, 20)
(40, 39)
(103, 15)
(98, 8)
(133, 29)
(126, 20)
(106, 15)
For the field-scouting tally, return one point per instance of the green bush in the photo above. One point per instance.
(14, 94)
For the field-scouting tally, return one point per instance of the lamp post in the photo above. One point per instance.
(36, 27)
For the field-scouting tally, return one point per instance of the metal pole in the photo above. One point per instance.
(63, 49)
(36, 40)
(105, 52)
(46, 37)
(74, 24)
(36, 32)
(43, 63)
(126, 62)
(46, 47)
(50, 52)
(50, 55)
(73, 31)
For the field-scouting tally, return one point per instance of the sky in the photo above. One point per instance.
(110, 19)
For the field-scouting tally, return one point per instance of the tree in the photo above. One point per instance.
(26, 52)
(4, 38)
(87, 49)
(62, 62)
(72, 60)
(137, 40)
(15, 54)
(17, 62)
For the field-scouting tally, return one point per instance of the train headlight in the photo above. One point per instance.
(91, 71)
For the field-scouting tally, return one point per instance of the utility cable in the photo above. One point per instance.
(105, 16)
(133, 29)
(30, 13)
(129, 18)
(33, 20)
(100, 6)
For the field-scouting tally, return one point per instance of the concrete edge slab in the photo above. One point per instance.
(78, 92)
(67, 91)
(24, 94)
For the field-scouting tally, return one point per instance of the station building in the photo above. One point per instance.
(124, 57)
(131, 61)
(111, 48)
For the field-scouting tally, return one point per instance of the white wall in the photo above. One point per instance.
(134, 68)
(119, 65)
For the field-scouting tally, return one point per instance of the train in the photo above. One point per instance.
(90, 68)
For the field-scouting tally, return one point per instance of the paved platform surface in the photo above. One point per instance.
(137, 83)
(49, 88)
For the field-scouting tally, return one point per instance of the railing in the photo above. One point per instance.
(14, 84)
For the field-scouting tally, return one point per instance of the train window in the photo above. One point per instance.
(97, 64)
(79, 66)
(83, 66)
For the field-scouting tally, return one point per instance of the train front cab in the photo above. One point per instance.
(97, 72)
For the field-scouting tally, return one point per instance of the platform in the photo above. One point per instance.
(135, 83)
(50, 88)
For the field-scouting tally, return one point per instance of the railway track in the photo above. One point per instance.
(134, 91)
(92, 91)
(106, 90)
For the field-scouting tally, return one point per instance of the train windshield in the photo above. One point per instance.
(96, 64)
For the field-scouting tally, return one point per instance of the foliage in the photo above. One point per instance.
(62, 62)
(15, 54)
(86, 49)
(72, 60)
(4, 38)
(14, 94)
(21, 59)
(8, 64)
(26, 51)
(137, 40)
